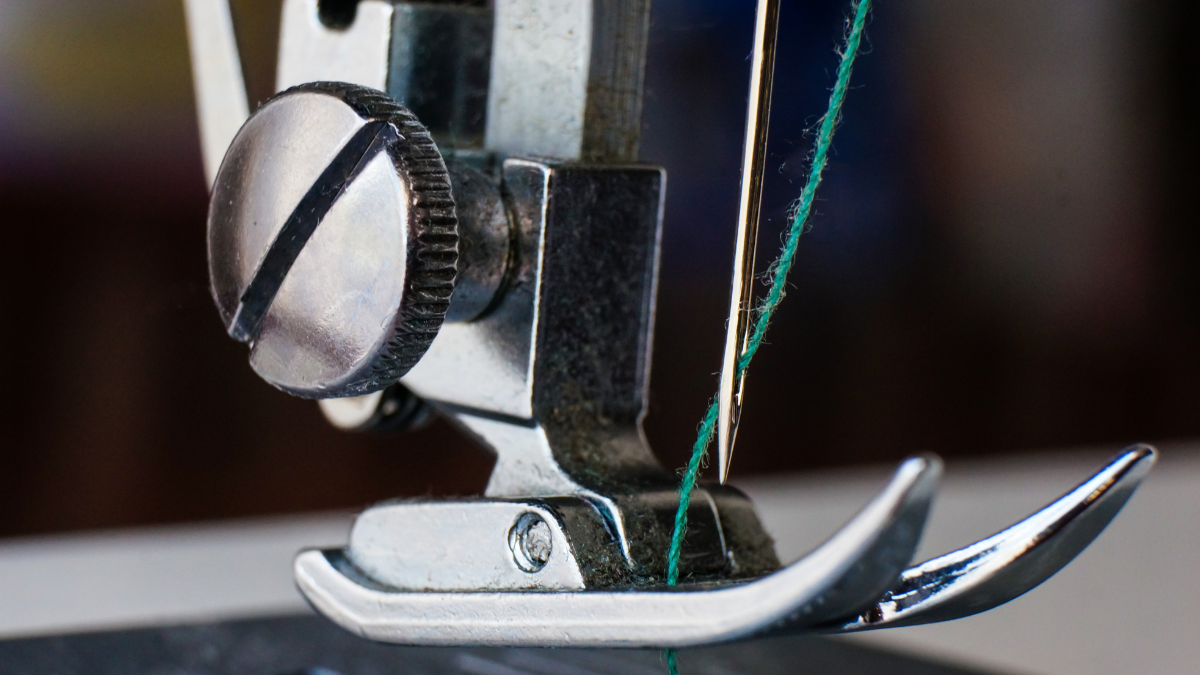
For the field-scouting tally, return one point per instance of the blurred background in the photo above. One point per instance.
(1005, 257)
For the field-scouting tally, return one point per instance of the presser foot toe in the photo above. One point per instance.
(1008, 564)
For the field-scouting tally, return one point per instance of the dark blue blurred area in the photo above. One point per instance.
(697, 79)
(866, 230)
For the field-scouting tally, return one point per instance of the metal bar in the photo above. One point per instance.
(729, 398)
(220, 87)
(1008, 564)
(567, 79)
(311, 52)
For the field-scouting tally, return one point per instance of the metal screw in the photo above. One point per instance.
(393, 409)
(333, 240)
(531, 542)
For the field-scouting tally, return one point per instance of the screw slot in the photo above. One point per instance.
(531, 542)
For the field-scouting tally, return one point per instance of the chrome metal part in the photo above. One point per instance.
(564, 290)
(565, 75)
(489, 543)
(217, 74)
(332, 240)
(469, 545)
(310, 51)
(567, 78)
(531, 542)
(577, 313)
(393, 409)
(554, 378)
(440, 65)
(741, 297)
(1008, 564)
(508, 363)
(435, 59)
(432, 58)
(837, 579)
(611, 542)
(844, 573)
(486, 241)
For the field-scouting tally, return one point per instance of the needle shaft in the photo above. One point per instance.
(729, 398)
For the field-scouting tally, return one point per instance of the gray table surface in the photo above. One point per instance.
(309, 645)
(1126, 605)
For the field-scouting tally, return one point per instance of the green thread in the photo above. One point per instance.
(777, 274)
(800, 210)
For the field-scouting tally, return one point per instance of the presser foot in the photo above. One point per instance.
(997, 569)
(854, 581)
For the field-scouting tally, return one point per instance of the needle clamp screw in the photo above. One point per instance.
(332, 240)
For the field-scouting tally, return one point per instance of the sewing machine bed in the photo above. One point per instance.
(308, 645)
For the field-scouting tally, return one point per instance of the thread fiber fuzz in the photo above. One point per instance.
(777, 275)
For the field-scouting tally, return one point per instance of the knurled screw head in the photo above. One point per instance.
(332, 240)
(531, 542)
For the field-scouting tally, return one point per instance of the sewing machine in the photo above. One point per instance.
(442, 212)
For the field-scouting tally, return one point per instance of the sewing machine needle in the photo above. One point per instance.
(729, 397)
